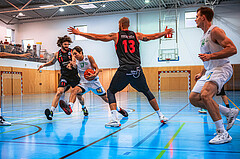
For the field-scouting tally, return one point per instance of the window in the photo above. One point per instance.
(10, 35)
(82, 28)
(190, 19)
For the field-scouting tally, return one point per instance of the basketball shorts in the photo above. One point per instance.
(95, 87)
(72, 81)
(218, 75)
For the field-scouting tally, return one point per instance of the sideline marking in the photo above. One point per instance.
(170, 141)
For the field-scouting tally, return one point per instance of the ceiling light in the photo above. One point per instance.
(46, 6)
(61, 9)
(20, 14)
(147, 1)
(87, 6)
(103, 5)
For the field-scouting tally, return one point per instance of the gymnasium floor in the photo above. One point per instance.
(141, 135)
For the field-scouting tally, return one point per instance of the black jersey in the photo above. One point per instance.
(64, 59)
(127, 48)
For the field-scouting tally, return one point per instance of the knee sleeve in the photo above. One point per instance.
(149, 95)
(111, 97)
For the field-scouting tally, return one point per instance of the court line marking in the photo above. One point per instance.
(170, 142)
(150, 134)
(104, 137)
(233, 103)
(39, 129)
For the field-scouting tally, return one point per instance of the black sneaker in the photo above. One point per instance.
(49, 114)
(123, 112)
(65, 107)
(85, 111)
(3, 122)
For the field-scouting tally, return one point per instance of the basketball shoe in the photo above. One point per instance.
(113, 123)
(221, 137)
(123, 112)
(231, 117)
(85, 111)
(3, 122)
(65, 107)
(49, 114)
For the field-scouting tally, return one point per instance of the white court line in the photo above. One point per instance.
(237, 119)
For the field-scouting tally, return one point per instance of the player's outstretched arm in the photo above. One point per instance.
(9, 55)
(92, 36)
(147, 37)
(49, 63)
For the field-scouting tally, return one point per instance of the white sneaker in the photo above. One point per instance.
(163, 119)
(3, 122)
(113, 123)
(203, 111)
(231, 118)
(221, 137)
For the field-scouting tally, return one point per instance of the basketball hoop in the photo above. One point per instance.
(167, 60)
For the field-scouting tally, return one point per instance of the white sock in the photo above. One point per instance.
(118, 108)
(71, 104)
(62, 97)
(53, 108)
(219, 125)
(159, 113)
(114, 114)
(224, 110)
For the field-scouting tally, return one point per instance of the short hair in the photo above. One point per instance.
(78, 49)
(125, 22)
(61, 40)
(208, 12)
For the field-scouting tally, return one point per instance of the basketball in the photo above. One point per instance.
(87, 73)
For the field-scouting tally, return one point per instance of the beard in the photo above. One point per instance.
(65, 48)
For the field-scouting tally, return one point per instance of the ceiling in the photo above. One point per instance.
(36, 10)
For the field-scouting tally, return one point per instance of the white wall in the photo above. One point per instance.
(104, 53)
(3, 30)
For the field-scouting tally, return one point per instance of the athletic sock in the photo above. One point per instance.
(118, 108)
(71, 104)
(53, 108)
(114, 114)
(159, 113)
(219, 125)
(224, 110)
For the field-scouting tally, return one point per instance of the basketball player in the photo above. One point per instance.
(91, 83)
(130, 71)
(215, 48)
(68, 76)
(9, 55)
(224, 98)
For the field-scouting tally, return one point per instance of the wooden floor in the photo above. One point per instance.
(141, 135)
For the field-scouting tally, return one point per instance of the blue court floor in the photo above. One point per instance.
(141, 135)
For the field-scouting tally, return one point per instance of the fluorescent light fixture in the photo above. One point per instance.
(147, 1)
(87, 6)
(20, 14)
(103, 5)
(45, 6)
(61, 9)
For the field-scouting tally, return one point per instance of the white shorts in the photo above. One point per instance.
(218, 75)
(95, 87)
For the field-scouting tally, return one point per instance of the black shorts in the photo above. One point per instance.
(222, 93)
(73, 81)
(134, 77)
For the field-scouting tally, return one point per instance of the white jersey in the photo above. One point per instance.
(82, 66)
(209, 47)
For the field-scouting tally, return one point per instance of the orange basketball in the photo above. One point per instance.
(87, 73)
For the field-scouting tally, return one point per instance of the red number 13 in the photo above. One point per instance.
(131, 45)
